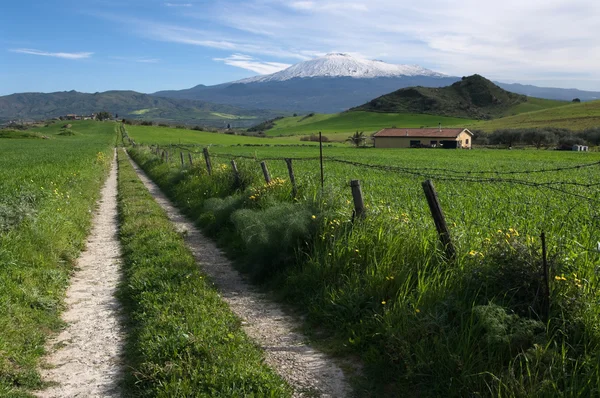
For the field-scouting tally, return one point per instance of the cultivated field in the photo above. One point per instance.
(49, 180)
(383, 289)
(573, 116)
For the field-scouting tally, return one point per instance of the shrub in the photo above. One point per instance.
(314, 138)
(271, 236)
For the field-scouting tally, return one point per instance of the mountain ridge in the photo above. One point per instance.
(338, 82)
(127, 104)
(343, 65)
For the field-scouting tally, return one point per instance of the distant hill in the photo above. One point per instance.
(127, 104)
(473, 97)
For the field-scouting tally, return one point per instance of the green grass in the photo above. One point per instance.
(183, 339)
(534, 104)
(166, 136)
(573, 116)
(349, 122)
(381, 290)
(48, 188)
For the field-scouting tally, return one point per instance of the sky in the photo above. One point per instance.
(152, 45)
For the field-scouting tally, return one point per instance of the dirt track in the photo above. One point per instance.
(84, 358)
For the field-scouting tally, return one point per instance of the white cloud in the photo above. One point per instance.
(31, 51)
(511, 39)
(143, 60)
(178, 4)
(252, 64)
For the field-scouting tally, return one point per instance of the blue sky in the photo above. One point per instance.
(151, 45)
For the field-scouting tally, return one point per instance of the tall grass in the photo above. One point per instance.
(183, 340)
(380, 288)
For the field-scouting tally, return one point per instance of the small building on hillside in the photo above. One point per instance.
(453, 138)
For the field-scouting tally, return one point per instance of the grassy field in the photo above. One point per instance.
(382, 289)
(49, 181)
(573, 116)
(349, 122)
(167, 136)
(534, 104)
(183, 340)
(535, 112)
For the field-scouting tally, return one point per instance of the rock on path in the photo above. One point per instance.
(310, 372)
(85, 358)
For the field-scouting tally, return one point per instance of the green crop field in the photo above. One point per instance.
(381, 288)
(165, 135)
(49, 180)
(573, 116)
(349, 122)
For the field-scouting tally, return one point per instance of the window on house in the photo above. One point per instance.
(415, 142)
(433, 143)
(467, 141)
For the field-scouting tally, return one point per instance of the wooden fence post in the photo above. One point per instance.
(265, 172)
(207, 160)
(190, 159)
(236, 173)
(162, 156)
(292, 177)
(167, 157)
(359, 204)
(321, 159)
(182, 161)
(546, 304)
(438, 218)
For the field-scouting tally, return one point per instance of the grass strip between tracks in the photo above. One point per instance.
(183, 339)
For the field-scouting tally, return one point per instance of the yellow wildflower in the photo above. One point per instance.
(383, 302)
(314, 217)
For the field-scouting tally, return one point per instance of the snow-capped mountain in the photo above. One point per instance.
(334, 83)
(343, 65)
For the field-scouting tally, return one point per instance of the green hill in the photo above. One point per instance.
(473, 97)
(128, 104)
(576, 116)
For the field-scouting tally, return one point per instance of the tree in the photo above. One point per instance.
(576, 100)
(357, 138)
(103, 115)
(539, 138)
(506, 137)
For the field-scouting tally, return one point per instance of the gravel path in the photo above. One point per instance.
(84, 358)
(308, 371)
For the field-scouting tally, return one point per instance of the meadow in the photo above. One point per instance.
(382, 288)
(349, 122)
(576, 116)
(50, 178)
(535, 112)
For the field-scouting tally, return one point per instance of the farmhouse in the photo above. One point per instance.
(417, 138)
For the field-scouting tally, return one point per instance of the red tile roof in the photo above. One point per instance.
(416, 133)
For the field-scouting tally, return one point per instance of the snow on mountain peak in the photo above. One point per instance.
(343, 65)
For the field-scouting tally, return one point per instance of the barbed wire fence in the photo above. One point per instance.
(545, 201)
